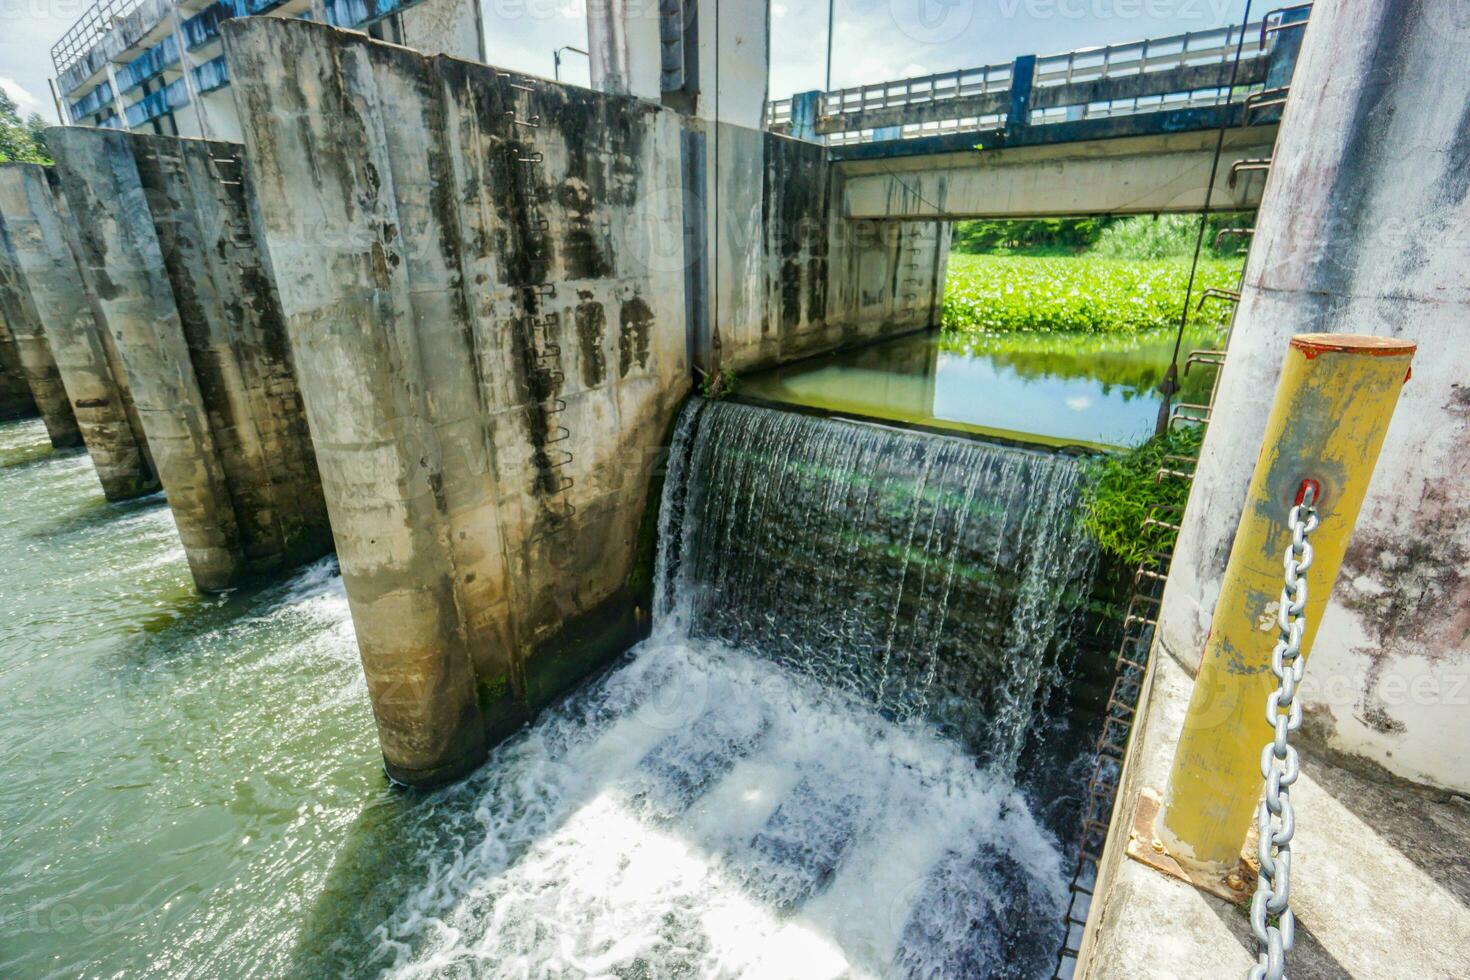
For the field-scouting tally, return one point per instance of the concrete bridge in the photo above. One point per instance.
(1120, 129)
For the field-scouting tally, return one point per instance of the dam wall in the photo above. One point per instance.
(164, 238)
(795, 276)
(495, 287)
(35, 239)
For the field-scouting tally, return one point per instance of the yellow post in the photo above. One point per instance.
(1332, 408)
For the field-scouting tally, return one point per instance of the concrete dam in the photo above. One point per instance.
(464, 524)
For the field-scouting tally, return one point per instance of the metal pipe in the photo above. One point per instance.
(556, 59)
(1331, 412)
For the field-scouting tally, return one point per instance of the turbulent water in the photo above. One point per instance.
(782, 782)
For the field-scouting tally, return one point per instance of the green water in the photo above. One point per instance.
(1055, 389)
(178, 773)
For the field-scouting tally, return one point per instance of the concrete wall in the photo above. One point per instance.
(734, 61)
(733, 39)
(15, 394)
(23, 324)
(452, 27)
(623, 45)
(792, 276)
(34, 238)
(491, 350)
(1362, 230)
(164, 232)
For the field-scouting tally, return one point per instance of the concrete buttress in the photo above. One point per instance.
(490, 350)
(23, 327)
(34, 239)
(16, 401)
(164, 236)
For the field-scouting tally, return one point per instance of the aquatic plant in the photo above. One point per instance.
(1121, 492)
(721, 384)
(1075, 294)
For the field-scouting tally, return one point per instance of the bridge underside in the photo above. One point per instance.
(1162, 172)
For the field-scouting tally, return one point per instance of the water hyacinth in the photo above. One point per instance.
(1075, 294)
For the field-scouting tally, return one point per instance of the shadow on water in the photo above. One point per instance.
(33, 453)
(96, 512)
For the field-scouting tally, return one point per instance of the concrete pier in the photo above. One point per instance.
(34, 238)
(163, 232)
(491, 352)
(23, 327)
(15, 394)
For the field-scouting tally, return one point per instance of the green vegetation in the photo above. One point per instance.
(1122, 493)
(21, 142)
(721, 385)
(1137, 237)
(1087, 294)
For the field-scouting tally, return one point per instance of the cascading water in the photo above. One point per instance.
(932, 577)
(783, 780)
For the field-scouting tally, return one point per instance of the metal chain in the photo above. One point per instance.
(1280, 764)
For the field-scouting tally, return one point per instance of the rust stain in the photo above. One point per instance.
(1313, 345)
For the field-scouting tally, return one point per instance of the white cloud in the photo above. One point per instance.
(24, 100)
(778, 10)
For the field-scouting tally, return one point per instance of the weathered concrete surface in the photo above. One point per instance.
(1139, 175)
(1363, 230)
(15, 394)
(164, 234)
(452, 27)
(1373, 862)
(34, 241)
(790, 275)
(23, 326)
(491, 348)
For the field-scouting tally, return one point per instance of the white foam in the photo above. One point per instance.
(582, 870)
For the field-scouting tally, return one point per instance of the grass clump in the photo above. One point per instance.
(1121, 492)
(1088, 293)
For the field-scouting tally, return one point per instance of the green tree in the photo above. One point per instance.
(21, 142)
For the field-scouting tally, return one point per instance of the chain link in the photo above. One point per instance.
(1280, 764)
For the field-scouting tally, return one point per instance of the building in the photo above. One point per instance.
(157, 65)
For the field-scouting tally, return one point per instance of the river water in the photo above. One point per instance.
(191, 786)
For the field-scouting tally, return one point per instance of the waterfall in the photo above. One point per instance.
(783, 779)
(935, 578)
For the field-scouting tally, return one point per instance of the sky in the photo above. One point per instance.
(874, 39)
